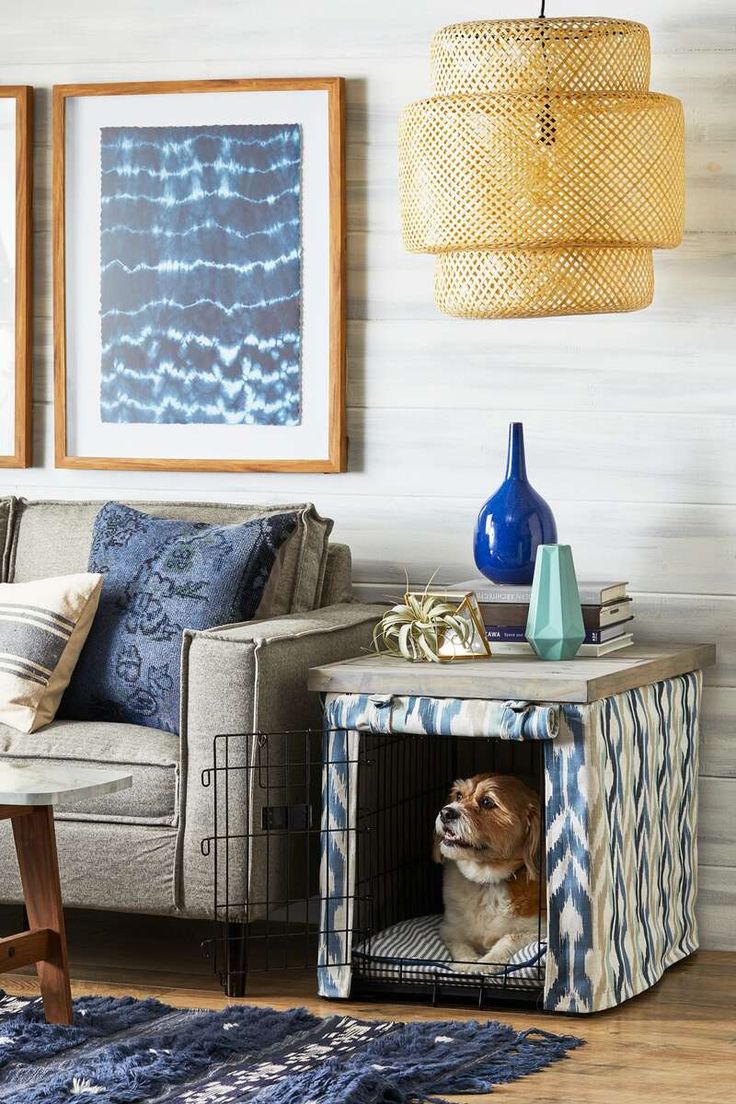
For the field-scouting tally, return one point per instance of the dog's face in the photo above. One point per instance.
(491, 819)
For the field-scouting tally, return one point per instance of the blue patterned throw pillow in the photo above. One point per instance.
(162, 576)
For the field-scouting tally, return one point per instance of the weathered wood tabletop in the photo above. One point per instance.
(525, 678)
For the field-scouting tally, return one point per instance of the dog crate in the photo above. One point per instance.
(402, 782)
(292, 808)
(321, 845)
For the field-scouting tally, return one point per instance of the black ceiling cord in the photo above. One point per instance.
(541, 14)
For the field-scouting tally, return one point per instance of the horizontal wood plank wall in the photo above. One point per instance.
(629, 418)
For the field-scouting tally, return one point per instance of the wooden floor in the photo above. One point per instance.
(674, 1043)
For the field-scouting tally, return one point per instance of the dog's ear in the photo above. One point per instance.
(437, 855)
(532, 839)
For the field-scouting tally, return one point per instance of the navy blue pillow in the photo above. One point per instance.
(162, 576)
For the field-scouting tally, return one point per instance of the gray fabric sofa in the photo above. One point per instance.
(140, 850)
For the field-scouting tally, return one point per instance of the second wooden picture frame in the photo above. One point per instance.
(199, 286)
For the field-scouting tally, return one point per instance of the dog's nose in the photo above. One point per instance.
(448, 813)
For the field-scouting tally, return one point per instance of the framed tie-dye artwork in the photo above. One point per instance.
(16, 309)
(198, 275)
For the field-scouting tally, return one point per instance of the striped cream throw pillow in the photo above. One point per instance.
(43, 626)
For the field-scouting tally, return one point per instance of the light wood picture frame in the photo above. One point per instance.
(235, 360)
(16, 275)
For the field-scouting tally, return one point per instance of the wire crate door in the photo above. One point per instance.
(389, 764)
(266, 797)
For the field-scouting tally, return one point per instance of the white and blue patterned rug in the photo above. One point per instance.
(121, 1051)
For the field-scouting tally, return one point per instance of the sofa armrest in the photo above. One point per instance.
(249, 677)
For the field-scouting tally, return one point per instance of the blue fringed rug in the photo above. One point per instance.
(121, 1051)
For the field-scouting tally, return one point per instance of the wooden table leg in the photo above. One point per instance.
(35, 845)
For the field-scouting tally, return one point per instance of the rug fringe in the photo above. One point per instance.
(419, 1063)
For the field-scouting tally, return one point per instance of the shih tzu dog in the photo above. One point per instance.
(488, 837)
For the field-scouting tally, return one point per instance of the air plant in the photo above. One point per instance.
(416, 627)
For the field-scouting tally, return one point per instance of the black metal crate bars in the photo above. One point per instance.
(322, 854)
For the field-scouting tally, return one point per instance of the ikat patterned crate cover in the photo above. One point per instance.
(620, 807)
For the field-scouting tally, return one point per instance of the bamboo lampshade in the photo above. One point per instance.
(542, 172)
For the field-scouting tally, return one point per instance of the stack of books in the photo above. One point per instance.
(607, 616)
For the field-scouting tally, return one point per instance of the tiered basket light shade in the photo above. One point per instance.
(543, 171)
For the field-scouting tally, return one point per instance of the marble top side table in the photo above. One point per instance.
(27, 797)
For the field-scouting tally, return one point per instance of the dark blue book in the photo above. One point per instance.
(516, 633)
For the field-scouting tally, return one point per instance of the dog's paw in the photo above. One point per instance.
(464, 967)
(502, 952)
(480, 966)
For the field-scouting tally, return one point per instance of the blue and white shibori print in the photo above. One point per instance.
(201, 274)
(620, 812)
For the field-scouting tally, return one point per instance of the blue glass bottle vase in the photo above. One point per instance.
(513, 522)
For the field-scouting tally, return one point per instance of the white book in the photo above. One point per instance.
(591, 593)
(594, 651)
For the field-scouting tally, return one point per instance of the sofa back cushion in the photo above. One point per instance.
(6, 505)
(54, 538)
(162, 576)
(338, 584)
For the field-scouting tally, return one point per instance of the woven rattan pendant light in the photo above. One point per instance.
(543, 171)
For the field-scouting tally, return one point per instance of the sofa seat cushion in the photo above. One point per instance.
(149, 755)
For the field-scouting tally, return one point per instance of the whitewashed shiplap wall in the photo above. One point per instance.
(629, 419)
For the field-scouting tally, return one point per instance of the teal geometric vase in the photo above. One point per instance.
(554, 627)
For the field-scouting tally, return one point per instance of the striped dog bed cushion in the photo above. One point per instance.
(412, 951)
